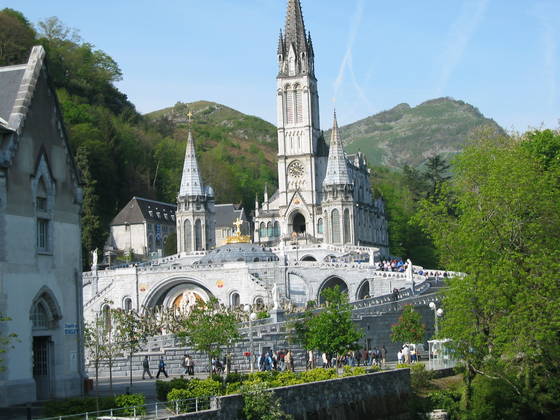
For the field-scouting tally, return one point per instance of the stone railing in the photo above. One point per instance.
(395, 306)
(98, 294)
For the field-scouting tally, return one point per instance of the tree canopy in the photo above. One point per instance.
(499, 222)
(331, 330)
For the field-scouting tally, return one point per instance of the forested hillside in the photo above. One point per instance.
(406, 135)
(121, 153)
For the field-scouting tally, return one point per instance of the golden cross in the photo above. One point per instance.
(189, 116)
(238, 224)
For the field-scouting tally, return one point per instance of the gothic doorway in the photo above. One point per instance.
(43, 356)
(298, 223)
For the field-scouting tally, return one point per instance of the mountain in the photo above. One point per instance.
(236, 152)
(409, 135)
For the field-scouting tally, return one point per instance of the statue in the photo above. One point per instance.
(188, 301)
(409, 270)
(94, 259)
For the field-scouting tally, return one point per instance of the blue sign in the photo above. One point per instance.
(70, 329)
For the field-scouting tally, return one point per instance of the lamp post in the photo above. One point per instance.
(252, 317)
(438, 313)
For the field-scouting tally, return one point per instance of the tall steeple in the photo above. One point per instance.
(294, 32)
(295, 54)
(191, 183)
(337, 169)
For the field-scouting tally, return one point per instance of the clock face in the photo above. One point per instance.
(295, 169)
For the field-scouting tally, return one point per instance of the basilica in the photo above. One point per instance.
(323, 226)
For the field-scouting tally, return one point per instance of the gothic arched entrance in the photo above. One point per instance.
(298, 223)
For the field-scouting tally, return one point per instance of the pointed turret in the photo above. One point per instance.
(191, 183)
(337, 169)
(280, 50)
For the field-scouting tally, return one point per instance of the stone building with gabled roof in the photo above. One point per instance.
(142, 226)
(40, 245)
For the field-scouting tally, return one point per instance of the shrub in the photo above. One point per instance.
(286, 378)
(76, 405)
(263, 315)
(235, 377)
(129, 401)
(163, 387)
(420, 377)
(261, 404)
(179, 394)
(318, 374)
(404, 366)
(233, 387)
(354, 370)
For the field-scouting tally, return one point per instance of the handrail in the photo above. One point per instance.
(158, 410)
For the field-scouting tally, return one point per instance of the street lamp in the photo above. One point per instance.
(252, 317)
(438, 313)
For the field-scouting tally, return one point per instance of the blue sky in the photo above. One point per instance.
(502, 56)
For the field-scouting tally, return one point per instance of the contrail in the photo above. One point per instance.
(461, 33)
(347, 59)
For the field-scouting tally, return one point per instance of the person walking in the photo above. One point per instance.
(161, 368)
(146, 366)
(383, 355)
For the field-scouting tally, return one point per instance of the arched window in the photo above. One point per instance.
(262, 230)
(320, 226)
(276, 229)
(298, 112)
(235, 300)
(45, 311)
(151, 243)
(43, 189)
(269, 229)
(347, 238)
(335, 220)
(289, 105)
(40, 316)
(198, 235)
(127, 304)
(188, 235)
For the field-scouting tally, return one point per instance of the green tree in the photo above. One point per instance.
(131, 332)
(17, 37)
(436, 174)
(94, 233)
(503, 229)
(209, 327)
(409, 328)
(332, 330)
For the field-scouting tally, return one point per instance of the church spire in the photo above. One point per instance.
(337, 169)
(191, 183)
(294, 32)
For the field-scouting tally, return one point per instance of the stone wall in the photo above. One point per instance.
(375, 396)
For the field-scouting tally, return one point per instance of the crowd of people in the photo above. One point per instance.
(407, 355)
(284, 360)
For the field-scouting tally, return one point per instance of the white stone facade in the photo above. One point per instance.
(304, 205)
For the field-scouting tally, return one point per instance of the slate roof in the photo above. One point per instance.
(337, 167)
(10, 82)
(140, 210)
(226, 214)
